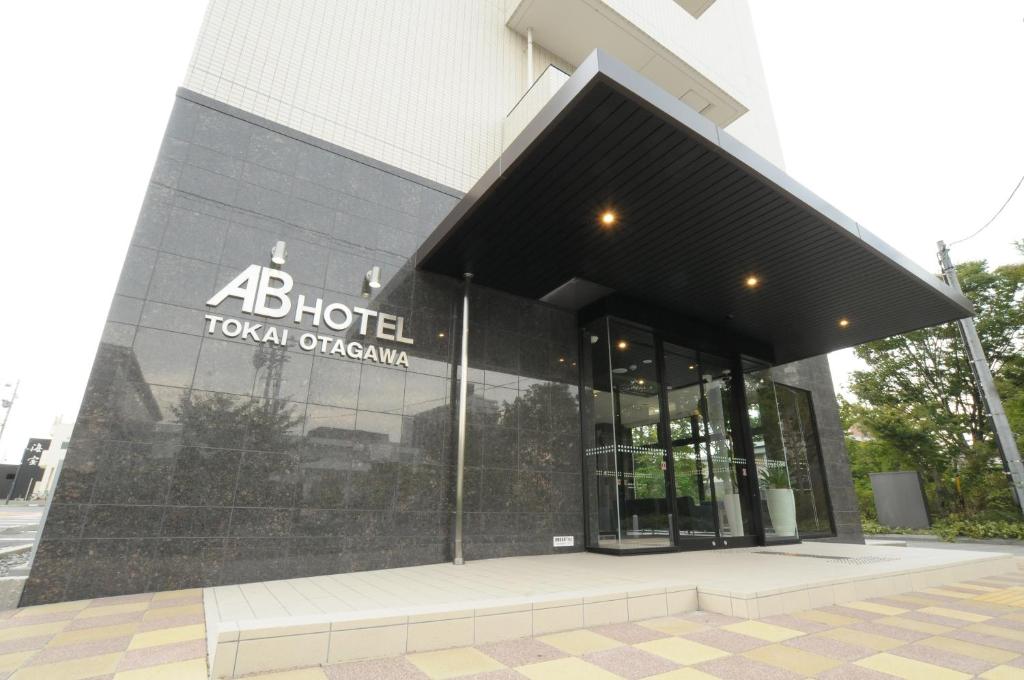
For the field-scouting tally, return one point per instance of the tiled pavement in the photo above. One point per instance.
(964, 630)
(136, 637)
(969, 629)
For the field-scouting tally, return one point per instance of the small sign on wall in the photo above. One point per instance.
(564, 541)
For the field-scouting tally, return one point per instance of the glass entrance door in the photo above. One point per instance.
(662, 464)
(712, 479)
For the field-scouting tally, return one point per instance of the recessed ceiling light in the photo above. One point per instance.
(843, 323)
(608, 218)
(691, 367)
(441, 334)
(752, 281)
(622, 344)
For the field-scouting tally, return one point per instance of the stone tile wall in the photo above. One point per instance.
(199, 459)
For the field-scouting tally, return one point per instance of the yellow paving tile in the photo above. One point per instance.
(451, 663)
(51, 608)
(570, 668)
(33, 630)
(858, 637)
(683, 674)
(1003, 673)
(167, 612)
(914, 624)
(974, 586)
(912, 599)
(875, 608)
(673, 625)
(76, 669)
(828, 618)
(686, 652)
(177, 594)
(763, 631)
(194, 669)
(955, 614)
(983, 652)
(1010, 597)
(793, 659)
(166, 636)
(908, 669)
(947, 593)
(131, 607)
(579, 642)
(91, 634)
(8, 662)
(998, 631)
(300, 674)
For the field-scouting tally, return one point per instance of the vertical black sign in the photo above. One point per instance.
(29, 473)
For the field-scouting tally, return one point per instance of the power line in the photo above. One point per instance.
(998, 212)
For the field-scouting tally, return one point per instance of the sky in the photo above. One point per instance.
(908, 116)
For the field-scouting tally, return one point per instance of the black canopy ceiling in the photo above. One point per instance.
(697, 214)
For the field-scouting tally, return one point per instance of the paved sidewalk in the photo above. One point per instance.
(134, 637)
(968, 629)
(963, 630)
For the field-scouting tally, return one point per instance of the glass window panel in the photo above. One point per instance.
(626, 461)
(695, 513)
(782, 432)
(803, 455)
(731, 476)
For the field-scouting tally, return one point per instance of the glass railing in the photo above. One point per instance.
(530, 104)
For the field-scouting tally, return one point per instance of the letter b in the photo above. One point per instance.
(280, 293)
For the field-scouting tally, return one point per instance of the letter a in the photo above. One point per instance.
(242, 287)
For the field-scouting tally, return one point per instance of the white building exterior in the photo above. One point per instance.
(60, 436)
(426, 85)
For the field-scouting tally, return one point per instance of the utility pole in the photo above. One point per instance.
(1005, 441)
(8, 404)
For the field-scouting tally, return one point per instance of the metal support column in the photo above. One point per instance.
(463, 394)
(1005, 441)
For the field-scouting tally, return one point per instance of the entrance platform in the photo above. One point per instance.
(276, 625)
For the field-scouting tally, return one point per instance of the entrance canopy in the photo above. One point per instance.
(617, 183)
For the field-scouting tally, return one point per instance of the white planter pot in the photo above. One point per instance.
(782, 511)
(733, 513)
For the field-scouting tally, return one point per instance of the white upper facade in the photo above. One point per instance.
(426, 85)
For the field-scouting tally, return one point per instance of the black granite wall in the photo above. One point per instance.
(199, 460)
(814, 375)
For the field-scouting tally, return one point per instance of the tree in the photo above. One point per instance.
(919, 401)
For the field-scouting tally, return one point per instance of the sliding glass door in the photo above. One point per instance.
(662, 465)
(712, 481)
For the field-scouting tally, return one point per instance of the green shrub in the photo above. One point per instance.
(872, 527)
(951, 527)
(954, 526)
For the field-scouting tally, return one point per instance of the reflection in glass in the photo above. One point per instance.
(694, 499)
(778, 504)
(804, 461)
(711, 478)
(730, 468)
(626, 461)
